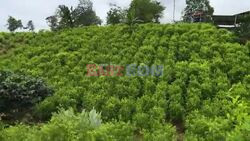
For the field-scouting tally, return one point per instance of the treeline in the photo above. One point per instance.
(139, 11)
(14, 24)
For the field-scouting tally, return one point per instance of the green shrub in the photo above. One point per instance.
(164, 133)
(117, 131)
(70, 126)
(241, 132)
(19, 91)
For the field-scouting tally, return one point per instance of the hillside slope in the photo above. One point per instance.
(204, 91)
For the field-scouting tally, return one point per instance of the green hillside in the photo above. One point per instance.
(203, 94)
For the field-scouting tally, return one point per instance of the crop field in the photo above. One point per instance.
(102, 83)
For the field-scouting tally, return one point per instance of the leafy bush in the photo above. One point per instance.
(19, 91)
(2, 125)
(18, 133)
(117, 131)
(241, 132)
(164, 133)
(68, 125)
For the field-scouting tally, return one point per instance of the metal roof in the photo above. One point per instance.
(243, 13)
(228, 19)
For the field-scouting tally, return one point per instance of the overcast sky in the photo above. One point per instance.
(38, 10)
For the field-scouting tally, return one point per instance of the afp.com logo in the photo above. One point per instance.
(94, 70)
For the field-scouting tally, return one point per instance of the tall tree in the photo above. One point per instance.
(30, 26)
(243, 29)
(53, 22)
(116, 15)
(145, 11)
(13, 24)
(84, 14)
(65, 16)
(198, 9)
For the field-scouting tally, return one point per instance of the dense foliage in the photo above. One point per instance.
(203, 94)
(20, 92)
(243, 29)
(145, 11)
(13, 24)
(200, 9)
(116, 15)
(85, 126)
(69, 17)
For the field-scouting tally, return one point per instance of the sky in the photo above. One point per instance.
(38, 10)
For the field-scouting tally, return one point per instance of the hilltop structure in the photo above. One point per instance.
(229, 21)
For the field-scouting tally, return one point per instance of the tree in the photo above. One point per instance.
(62, 18)
(116, 15)
(82, 15)
(14, 24)
(198, 10)
(30, 26)
(65, 16)
(145, 11)
(53, 22)
(243, 29)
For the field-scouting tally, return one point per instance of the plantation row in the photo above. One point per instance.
(203, 94)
